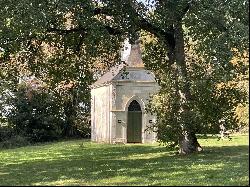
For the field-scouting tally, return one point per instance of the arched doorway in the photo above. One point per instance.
(134, 125)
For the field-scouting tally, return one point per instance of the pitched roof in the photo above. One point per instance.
(134, 60)
(108, 76)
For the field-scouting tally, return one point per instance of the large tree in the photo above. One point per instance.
(82, 32)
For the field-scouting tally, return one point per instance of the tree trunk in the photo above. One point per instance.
(70, 114)
(187, 141)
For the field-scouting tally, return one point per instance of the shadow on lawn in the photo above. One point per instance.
(131, 165)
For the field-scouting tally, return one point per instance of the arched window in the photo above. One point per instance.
(134, 106)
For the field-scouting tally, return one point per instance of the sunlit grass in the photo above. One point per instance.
(81, 162)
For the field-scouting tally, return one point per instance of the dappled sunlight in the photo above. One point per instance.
(61, 182)
(142, 156)
(120, 180)
(85, 163)
(4, 173)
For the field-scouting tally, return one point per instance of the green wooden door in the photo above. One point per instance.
(134, 125)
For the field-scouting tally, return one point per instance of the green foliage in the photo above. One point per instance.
(60, 43)
(215, 95)
(80, 162)
(35, 114)
(42, 115)
(64, 41)
(219, 26)
(242, 114)
(215, 33)
(74, 100)
(6, 132)
(14, 141)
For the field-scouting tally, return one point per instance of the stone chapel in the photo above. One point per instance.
(118, 101)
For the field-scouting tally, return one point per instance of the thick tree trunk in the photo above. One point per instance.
(187, 141)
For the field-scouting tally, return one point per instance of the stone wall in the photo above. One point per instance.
(100, 114)
(126, 92)
(109, 105)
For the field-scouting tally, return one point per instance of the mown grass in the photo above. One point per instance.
(81, 162)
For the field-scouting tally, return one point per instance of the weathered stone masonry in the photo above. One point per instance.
(111, 97)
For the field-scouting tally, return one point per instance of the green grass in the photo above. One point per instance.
(81, 162)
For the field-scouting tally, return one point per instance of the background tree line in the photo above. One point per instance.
(34, 113)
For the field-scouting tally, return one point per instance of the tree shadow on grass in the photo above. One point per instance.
(132, 165)
(212, 136)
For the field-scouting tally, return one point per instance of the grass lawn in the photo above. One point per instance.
(81, 162)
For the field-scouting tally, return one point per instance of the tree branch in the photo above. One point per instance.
(113, 31)
(66, 31)
(168, 35)
(142, 23)
(102, 10)
(184, 11)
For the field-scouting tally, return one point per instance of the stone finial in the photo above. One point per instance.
(135, 58)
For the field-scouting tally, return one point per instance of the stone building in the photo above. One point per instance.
(118, 101)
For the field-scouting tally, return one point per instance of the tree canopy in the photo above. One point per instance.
(189, 44)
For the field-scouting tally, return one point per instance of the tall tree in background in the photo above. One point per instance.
(189, 96)
(82, 32)
(45, 43)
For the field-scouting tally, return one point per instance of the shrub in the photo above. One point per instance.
(5, 133)
(14, 141)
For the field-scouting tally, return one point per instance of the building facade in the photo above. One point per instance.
(118, 101)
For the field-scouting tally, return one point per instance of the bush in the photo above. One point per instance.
(35, 114)
(44, 134)
(5, 133)
(244, 130)
(41, 115)
(14, 141)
